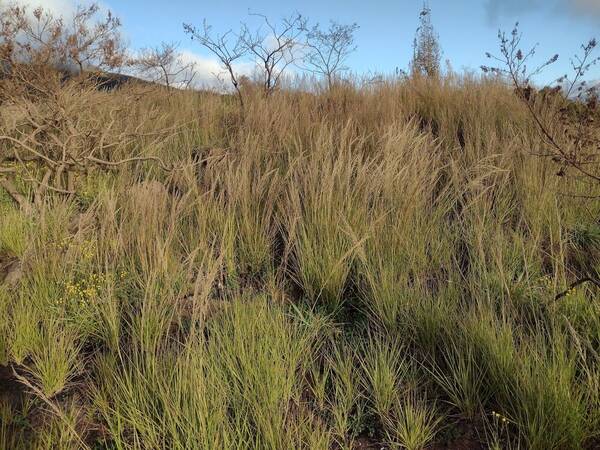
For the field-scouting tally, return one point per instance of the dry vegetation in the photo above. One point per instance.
(380, 265)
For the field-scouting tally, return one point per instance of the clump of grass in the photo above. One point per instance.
(253, 206)
(385, 374)
(326, 218)
(58, 430)
(14, 233)
(585, 236)
(23, 331)
(548, 406)
(413, 424)
(345, 408)
(54, 358)
(8, 437)
(262, 373)
(462, 377)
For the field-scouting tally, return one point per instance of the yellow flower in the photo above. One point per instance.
(499, 416)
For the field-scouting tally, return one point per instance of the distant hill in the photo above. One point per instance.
(105, 80)
(110, 81)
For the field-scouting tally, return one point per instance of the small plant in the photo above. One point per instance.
(499, 437)
(344, 400)
(54, 358)
(14, 233)
(385, 372)
(413, 424)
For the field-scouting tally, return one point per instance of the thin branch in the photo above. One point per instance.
(128, 160)
(575, 284)
(19, 198)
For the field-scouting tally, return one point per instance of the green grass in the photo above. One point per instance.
(413, 424)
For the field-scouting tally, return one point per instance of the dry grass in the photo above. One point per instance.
(373, 262)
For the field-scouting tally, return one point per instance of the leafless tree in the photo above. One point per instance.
(576, 145)
(98, 44)
(426, 47)
(165, 64)
(326, 51)
(85, 42)
(274, 49)
(34, 42)
(227, 47)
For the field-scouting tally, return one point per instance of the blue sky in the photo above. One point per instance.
(467, 28)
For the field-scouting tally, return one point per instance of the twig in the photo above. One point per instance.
(45, 185)
(19, 198)
(28, 148)
(575, 284)
(128, 160)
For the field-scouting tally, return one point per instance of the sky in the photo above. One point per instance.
(467, 28)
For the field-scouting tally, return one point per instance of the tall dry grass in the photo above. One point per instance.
(372, 263)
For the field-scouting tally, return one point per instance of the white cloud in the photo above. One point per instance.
(56, 7)
(59, 8)
(496, 9)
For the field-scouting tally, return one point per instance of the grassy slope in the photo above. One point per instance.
(360, 266)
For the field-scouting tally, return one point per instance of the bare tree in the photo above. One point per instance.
(165, 64)
(227, 47)
(85, 42)
(96, 45)
(327, 50)
(275, 49)
(426, 47)
(34, 42)
(576, 145)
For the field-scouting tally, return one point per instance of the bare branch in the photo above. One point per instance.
(329, 49)
(275, 49)
(128, 160)
(227, 47)
(575, 284)
(164, 64)
(577, 145)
